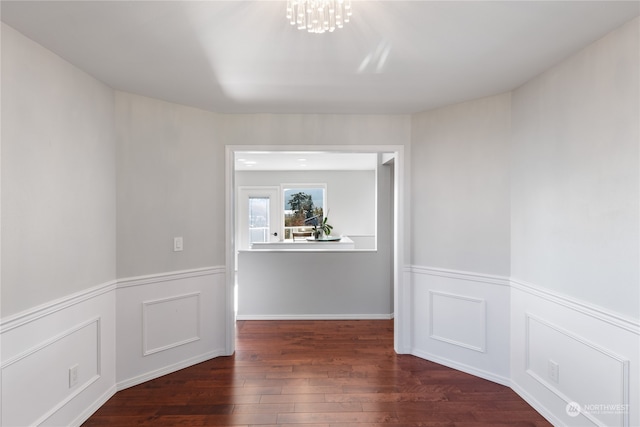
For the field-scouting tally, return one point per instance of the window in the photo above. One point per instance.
(304, 206)
(259, 219)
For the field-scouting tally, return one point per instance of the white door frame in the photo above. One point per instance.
(275, 222)
(401, 284)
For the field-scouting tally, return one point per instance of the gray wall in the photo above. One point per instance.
(460, 181)
(58, 177)
(171, 173)
(315, 129)
(575, 176)
(171, 182)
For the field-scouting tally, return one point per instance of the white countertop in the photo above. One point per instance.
(343, 243)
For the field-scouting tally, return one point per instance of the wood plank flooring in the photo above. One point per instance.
(316, 374)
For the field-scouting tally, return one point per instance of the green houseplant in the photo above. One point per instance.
(322, 228)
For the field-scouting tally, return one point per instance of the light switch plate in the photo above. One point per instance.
(177, 244)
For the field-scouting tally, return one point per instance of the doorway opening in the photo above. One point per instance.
(392, 157)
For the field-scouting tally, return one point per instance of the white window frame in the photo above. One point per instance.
(288, 186)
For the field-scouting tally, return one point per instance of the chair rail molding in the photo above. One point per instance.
(602, 314)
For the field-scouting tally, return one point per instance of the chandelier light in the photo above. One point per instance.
(318, 16)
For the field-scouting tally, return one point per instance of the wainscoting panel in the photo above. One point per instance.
(461, 320)
(573, 363)
(552, 361)
(169, 321)
(184, 327)
(43, 346)
(38, 380)
(446, 312)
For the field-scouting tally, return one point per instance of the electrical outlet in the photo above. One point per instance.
(554, 371)
(177, 244)
(73, 375)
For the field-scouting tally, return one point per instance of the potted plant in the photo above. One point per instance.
(322, 228)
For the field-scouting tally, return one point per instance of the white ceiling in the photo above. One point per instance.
(303, 161)
(243, 57)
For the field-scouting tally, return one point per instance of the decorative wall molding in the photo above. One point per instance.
(53, 340)
(460, 275)
(594, 366)
(87, 379)
(411, 274)
(621, 363)
(169, 276)
(437, 325)
(14, 321)
(460, 319)
(189, 329)
(169, 321)
(97, 379)
(615, 319)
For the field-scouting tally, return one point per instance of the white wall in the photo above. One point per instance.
(460, 181)
(460, 220)
(574, 211)
(58, 177)
(58, 237)
(525, 208)
(171, 183)
(575, 186)
(351, 195)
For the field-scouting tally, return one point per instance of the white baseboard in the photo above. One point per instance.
(157, 373)
(314, 317)
(84, 415)
(536, 404)
(490, 376)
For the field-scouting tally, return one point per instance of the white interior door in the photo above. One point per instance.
(258, 216)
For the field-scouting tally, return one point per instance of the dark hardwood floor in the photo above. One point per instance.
(317, 373)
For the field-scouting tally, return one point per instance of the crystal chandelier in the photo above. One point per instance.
(318, 16)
